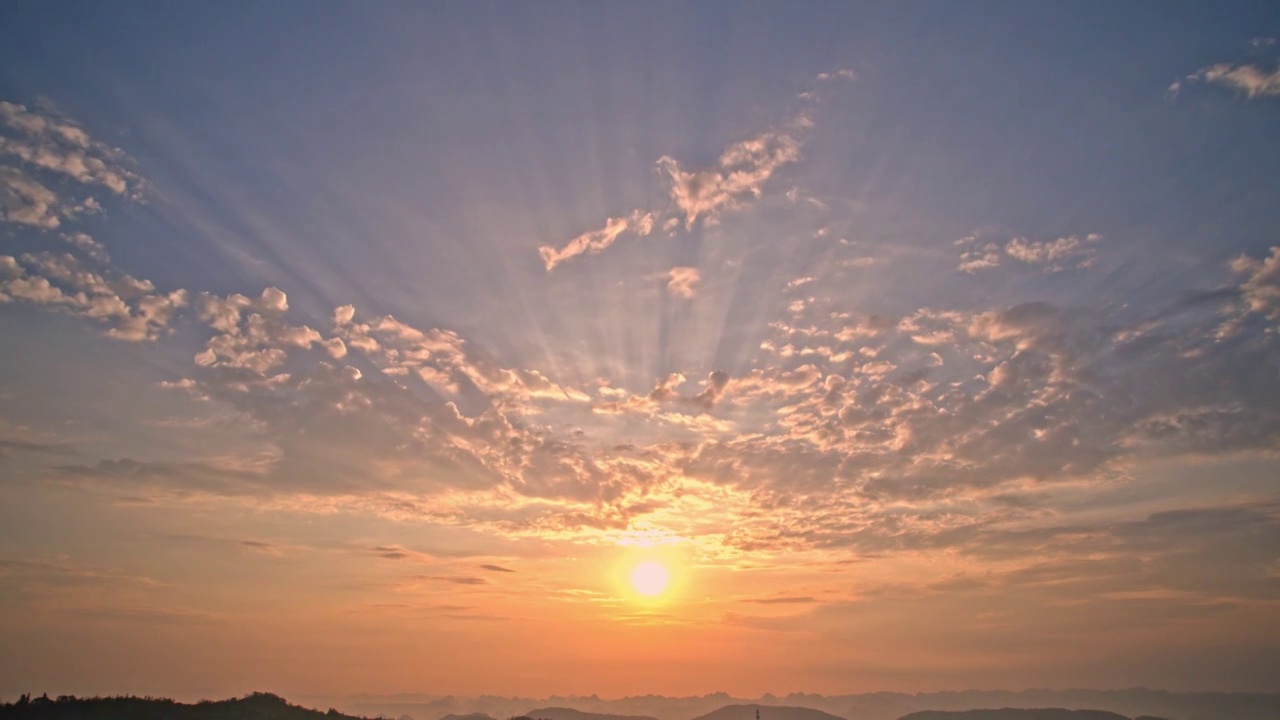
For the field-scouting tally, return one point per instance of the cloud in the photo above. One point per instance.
(739, 176)
(253, 334)
(441, 359)
(54, 144)
(1251, 80)
(844, 430)
(681, 281)
(974, 260)
(640, 223)
(22, 442)
(396, 552)
(131, 308)
(236, 544)
(24, 201)
(733, 182)
(666, 395)
(43, 156)
(841, 74)
(90, 247)
(1071, 251)
(851, 411)
(456, 579)
(1054, 253)
(1260, 290)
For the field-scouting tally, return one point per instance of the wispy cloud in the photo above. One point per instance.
(1251, 80)
(590, 243)
(701, 195)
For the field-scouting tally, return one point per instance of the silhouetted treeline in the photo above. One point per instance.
(256, 706)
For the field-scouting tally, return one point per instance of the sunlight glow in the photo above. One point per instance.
(649, 578)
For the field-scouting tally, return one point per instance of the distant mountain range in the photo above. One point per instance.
(767, 712)
(1139, 704)
(1132, 703)
(561, 713)
(1018, 714)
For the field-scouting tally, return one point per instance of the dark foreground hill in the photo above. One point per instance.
(767, 712)
(258, 706)
(1017, 714)
(562, 713)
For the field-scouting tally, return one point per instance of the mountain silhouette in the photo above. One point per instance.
(256, 706)
(563, 713)
(767, 712)
(1016, 714)
(468, 716)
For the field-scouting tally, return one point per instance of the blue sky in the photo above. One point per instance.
(846, 313)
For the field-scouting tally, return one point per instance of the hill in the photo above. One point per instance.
(468, 716)
(767, 712)
(257, 706)
(1015, 714)
(563, 713)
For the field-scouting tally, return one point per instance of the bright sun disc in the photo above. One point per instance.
(649, 578)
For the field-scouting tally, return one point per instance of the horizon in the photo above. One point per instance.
(1004, 705)
(561, 350)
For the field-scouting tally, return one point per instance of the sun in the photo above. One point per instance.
(650, 578)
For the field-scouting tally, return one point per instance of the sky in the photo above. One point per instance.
(371, 347)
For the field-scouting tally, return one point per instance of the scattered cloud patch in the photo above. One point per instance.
(43, 139)
(1067, 252)
(681, 281)
(131, 309)
(739, 177)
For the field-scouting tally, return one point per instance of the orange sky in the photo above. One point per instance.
(373, 350)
